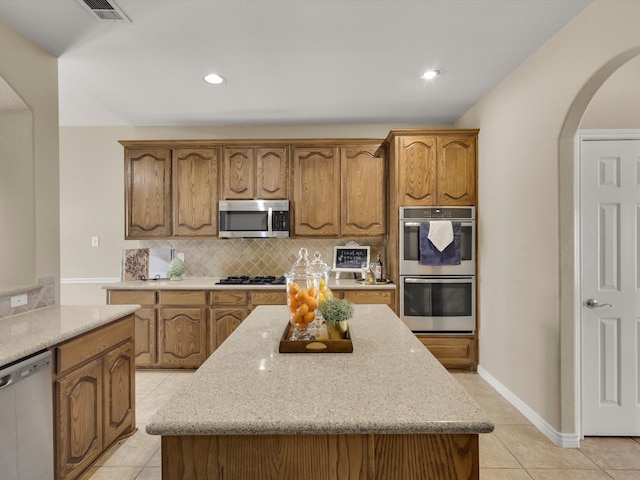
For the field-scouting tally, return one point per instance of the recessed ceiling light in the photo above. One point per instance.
(214, 79)
(432, 73)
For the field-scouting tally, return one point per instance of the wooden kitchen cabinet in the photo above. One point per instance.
(316, 191)
(145, 322)
(79, 420)
(363, 186)
(434, 168)
(454, 352)
(195, 192)
(171, 326)
(228, 310)
(340, 191)
(255, 173)
(147, 193)
(456, 167)
(182, 328)
(384, 297)
(94, 399)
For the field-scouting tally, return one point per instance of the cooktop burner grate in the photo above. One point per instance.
(246, 280)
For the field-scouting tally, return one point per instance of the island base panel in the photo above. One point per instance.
(321, 457)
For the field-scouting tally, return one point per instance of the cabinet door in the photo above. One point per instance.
(195, 192)
(79, 417)
(316, 192)
(363, 190)
(182, 337)
(119, 392)
(146, 334)
(417, 170)
(239, 173)
(225, 321)
(456, 170)
(272, 173)
(147, 193)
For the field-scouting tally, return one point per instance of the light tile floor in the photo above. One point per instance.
(516, 450)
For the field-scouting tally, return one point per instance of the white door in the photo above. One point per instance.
(610, 222)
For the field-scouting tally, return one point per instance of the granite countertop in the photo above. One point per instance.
(390, 384)
(27, 333)
(211, 284)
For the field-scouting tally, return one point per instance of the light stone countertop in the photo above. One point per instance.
(390, 384)
(211, 284)
(27, 333)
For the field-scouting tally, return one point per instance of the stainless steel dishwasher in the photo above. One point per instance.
(26, 418)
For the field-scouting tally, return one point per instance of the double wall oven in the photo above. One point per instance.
(438, 296)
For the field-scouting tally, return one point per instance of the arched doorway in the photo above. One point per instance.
(570, 300)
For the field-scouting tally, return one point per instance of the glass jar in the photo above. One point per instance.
(302, 296)
(324, 292)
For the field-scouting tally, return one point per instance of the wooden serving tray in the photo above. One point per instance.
(321, 344)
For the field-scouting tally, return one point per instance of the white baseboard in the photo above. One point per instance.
(566, 440)
(70, 281)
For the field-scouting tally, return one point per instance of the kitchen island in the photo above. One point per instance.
(388, 410)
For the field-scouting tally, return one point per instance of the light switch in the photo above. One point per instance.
(95, 241)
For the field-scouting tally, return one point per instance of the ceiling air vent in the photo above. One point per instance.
(105, 10)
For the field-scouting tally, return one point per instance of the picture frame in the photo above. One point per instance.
(349, 258)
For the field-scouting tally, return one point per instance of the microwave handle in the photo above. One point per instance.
(270, 220)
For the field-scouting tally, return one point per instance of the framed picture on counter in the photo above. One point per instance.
(350, 258)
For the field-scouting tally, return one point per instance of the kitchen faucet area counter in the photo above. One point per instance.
(388, 405)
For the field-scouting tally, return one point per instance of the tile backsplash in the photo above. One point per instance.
(42, 294)
(253, 256)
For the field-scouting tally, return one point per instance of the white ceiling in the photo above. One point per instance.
(286, 61)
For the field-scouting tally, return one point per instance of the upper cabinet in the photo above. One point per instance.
(434, 168)
(339, 191)
(148, 193)
(255, 173)
(171, 192)
(364, 197)
(316, 191)
(456, 167)
(195, 191)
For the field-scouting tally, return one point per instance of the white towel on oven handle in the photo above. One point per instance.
(440, 234)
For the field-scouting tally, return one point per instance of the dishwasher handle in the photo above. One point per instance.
(6, 381)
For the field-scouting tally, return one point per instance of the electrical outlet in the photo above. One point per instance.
(18, 300)
(95, 241)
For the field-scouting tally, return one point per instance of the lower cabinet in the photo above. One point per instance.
(171, 326)
(454, 352)
(384, 297)
(228, 310)
(94, 399)
(182, 329)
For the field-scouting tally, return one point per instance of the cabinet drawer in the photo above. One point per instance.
(268, 298)
(189, 297)
(384, 297)
(229, 298)
(452, 352)
(93, 343)
(127, 297)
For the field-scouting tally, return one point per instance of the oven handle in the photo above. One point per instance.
(438, 280)
(417, 224)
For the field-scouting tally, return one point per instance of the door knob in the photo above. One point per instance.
(593, 303)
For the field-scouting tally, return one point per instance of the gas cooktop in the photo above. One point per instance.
(246, 280)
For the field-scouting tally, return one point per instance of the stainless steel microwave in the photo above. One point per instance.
(253, 218)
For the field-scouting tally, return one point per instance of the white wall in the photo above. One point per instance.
(526, 268)
(33, 74)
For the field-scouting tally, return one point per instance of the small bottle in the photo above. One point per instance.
(379, 269)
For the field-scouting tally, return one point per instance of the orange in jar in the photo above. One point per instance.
(309, 317)
(294, 288)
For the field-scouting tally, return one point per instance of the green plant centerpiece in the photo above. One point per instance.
(336, 312)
